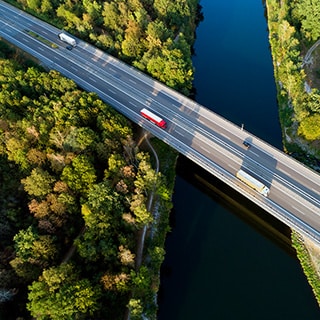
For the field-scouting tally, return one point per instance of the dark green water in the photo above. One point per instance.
(227, 259)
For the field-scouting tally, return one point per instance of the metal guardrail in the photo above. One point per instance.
(267, 204)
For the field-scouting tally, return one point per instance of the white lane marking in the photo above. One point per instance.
(232, 167)
(180, 133)
(285, 172)
(205, 149)
(295, 208)
(112, 91)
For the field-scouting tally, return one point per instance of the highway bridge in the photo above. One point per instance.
(196, 132)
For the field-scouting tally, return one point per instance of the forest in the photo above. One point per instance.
(294, 26)
(74, 190)
(156, 36)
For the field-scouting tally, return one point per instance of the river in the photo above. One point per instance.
(226, 258)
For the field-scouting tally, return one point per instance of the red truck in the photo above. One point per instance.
(153, 117)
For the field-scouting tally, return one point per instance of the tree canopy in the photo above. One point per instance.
(60, 293)
(147, 34)
(294, 28)
(75, 197)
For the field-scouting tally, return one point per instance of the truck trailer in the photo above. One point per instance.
(253, 182)
(153, 117)
(65, 38)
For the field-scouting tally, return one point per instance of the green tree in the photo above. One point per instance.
(94, 9)
(171, 67)
(71, 19)
(157, 33)
(313, 101)
(33, 252)
(24, 241)
(79, 139)
(136, 309)
(132, 45)
(146, 178)
(80, 174)
(102, 214)
(31, 246)
(34, 4)
(115, 163)
(39, 183)
(138, 207)
(112, 18)
(46, 6)
(61, 294)
(16, 151)
(307, 12)
(309, 127)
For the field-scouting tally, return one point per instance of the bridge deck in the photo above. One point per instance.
(211, 141)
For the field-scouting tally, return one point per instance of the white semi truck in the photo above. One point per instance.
(65, 38)
(253, 182)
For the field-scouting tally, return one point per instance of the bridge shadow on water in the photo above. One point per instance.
(263, 222)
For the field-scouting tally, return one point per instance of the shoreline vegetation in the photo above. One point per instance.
(48, 201)
(75, 182)
(293, 30)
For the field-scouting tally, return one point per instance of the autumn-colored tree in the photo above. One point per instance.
(116, 282)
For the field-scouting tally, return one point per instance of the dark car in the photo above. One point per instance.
(246, 144)
(69, 47)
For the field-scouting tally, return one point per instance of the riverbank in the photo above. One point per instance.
(151, 246)
(164, 158)
(291, 86)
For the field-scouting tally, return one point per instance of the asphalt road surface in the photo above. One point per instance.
(203, 136)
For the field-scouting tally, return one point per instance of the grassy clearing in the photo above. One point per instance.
(43, 40)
